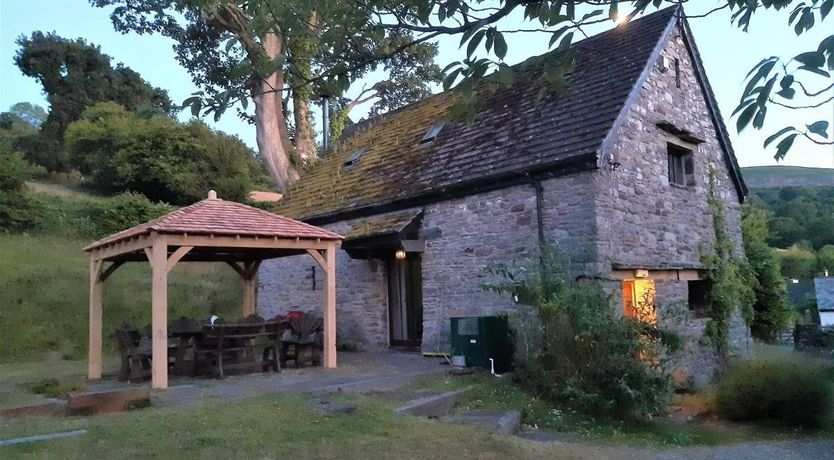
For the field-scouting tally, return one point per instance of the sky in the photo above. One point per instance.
(728, 55)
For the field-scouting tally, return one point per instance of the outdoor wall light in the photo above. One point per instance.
(399, 255)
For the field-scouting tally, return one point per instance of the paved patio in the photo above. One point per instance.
(359, 372)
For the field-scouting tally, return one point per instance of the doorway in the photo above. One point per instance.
(405, 301)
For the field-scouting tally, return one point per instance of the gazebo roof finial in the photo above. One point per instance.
(212, 195)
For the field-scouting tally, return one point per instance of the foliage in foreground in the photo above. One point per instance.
(574, 349)
(731, 279)
(795, 392)
(771, 310)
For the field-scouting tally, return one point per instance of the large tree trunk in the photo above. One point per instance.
(305, 147)
(270, 124)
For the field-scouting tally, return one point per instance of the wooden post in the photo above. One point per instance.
(94, 350)
(250, 287)
(159, 313)
(330, 307)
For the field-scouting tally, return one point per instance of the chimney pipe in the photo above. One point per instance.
(325, 122)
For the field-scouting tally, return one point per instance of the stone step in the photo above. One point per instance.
(496, 421)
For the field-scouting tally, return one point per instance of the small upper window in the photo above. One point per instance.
(681, 166)
(432, 133)
(354, 157)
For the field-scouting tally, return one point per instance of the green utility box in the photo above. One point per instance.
(480, 338)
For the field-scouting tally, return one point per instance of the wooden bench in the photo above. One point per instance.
(233, 346)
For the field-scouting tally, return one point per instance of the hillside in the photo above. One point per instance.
(787, 176)
(44, 284)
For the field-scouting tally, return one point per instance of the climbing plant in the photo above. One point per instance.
(730, 278)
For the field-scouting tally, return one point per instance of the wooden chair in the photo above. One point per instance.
(136, 361)
(301, 343)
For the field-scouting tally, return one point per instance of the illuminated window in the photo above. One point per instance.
(638, 300)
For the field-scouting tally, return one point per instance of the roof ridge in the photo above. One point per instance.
(277, 216)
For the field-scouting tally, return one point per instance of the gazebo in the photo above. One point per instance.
(212, 230)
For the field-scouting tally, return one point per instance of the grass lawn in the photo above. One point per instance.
(44, 290)
(277, 426)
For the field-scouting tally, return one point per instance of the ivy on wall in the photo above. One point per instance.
(729, 276)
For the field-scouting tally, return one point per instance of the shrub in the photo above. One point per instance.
(795, 392)
(573, 348)
(158, 156)
(772, 310)
(124, 211)
(83, 216)
(17, 210)
(54, 388)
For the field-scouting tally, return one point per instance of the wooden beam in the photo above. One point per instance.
(94, 345)
(246, 242)
(124, 247)
(159, 313)
(149, 255)
(316, 255)
(110, 269)
(240, 271)
(176, 256)
(250, 288)
(330, 307)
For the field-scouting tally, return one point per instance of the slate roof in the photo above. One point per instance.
(531, 127)
(214, 216)
(825, 293)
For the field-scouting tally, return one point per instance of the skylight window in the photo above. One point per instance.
(354, 157)
(432, 133)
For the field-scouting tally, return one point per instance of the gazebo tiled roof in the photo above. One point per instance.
(212, 230)
(214, 216)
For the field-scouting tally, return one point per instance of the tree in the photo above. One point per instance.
(17, 209)
(277, 55)
(75, 75)
(31, 114)
(157, 156)
(825, 259)
(797, 262)
(771, 310)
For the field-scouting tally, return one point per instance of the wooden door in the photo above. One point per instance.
(405, 301)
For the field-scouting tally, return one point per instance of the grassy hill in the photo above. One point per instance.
(787, 176)
(44, 286)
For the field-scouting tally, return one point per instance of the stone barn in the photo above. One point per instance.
(613, 166)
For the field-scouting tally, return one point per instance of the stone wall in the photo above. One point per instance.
(641, 218)
(361, 293)
(490, 228)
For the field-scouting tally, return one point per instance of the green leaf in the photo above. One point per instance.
(815, 70)
(783, 146)
(566, 41)
(777, 135)
(746, 116)
(500, 45)
(811, 58)
(820, 128)
(825, 8)
(474, 42)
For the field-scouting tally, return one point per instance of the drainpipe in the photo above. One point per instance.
(325, 122)
(537, 186)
